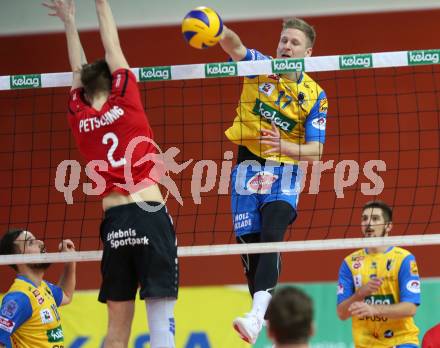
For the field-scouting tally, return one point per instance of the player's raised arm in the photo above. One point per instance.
(232, 44)
(67, 280)
(109, 36)
(65, 11)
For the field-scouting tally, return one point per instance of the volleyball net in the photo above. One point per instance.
(382, 143)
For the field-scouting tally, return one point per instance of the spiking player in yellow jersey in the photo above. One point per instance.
(29, 316)
(379, 288)
(280, 120)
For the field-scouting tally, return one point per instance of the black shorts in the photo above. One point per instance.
(140, 248)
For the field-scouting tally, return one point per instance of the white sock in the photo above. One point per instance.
(161, 322)
(260, 303)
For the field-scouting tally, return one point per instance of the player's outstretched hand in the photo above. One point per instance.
(66, 245)
(63, 9)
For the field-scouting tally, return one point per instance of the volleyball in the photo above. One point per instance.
(202, 27)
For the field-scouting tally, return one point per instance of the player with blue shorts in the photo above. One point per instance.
(280, 121)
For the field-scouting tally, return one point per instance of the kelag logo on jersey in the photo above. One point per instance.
(379, 299)
(356, 61)
(221, 69)
(423, 57)
(55, 335)
(280, 66)
(156, 73)
(25, 81)
(271, 115)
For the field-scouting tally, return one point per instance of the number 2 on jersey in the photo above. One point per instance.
(115, 142)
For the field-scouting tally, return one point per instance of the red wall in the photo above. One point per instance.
(388, 114)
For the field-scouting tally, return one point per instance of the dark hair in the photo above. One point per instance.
(387, 211)
(96, 77)
(290, 316)
(7, 243)
(306, 28)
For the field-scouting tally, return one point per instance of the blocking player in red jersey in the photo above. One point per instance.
(106, 115)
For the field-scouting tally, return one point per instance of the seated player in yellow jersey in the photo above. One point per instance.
(280, 121)
(29, 316)
(379, 288)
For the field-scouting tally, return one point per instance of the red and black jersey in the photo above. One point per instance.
(106, 134)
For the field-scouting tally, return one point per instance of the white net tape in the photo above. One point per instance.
(262, 67)
(235, 249)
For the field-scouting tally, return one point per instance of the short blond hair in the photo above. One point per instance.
(306, 28)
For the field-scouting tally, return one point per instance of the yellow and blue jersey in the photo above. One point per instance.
(297, 108)
(401, 283)
(29, 316)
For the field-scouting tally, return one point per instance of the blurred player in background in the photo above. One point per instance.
(432, 338)
(379, 288)
(105, 113)
(290, 318)
(29, 316)
(281, 119)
